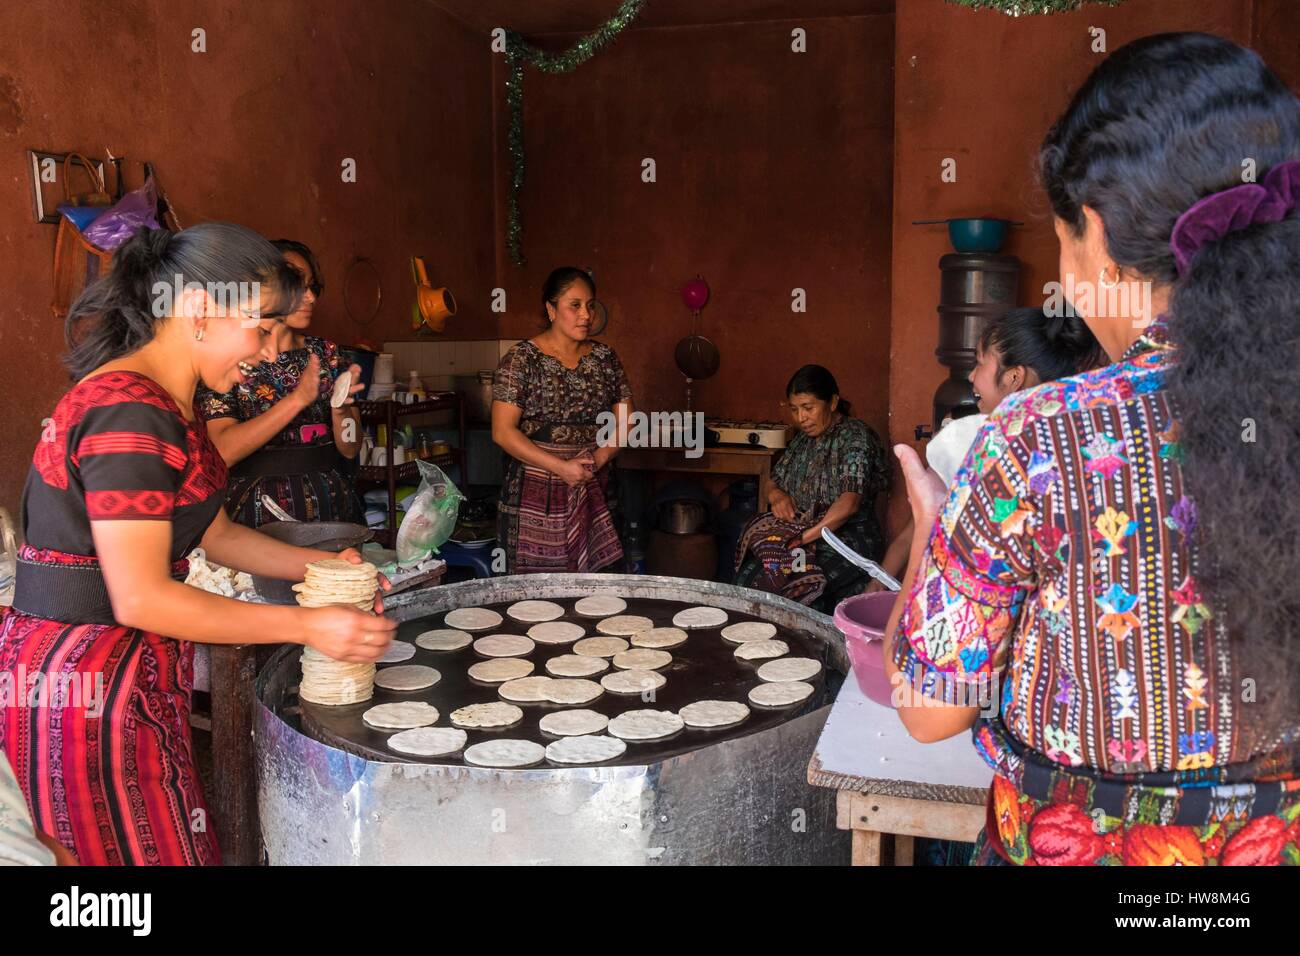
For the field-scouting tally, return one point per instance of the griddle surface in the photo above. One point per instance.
(704, 667)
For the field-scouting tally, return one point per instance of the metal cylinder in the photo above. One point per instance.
(745, 799)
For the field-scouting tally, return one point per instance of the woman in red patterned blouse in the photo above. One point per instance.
(1107, 595)
(124, 483)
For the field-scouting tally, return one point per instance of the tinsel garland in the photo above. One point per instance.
(1016, 8)
(518, 52)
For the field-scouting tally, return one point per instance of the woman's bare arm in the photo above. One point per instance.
(841, 510)
(896, 556)
(506, 433)
(606, 453)
(137, 573)
(244, 549)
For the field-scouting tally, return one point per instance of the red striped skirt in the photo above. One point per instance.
(94, 719)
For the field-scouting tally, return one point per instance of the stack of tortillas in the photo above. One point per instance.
(335, 581)
(327, 681)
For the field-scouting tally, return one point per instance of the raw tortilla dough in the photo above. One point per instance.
(556, 632)
(642, 659)
(789, 668)
(645, 724)
(759, 650)
(472, 619)
(782, 694)
(633, 681)
(503, 645)
(947, 450)
(624, 625)
(599, 605)
(397, 652)
(535, 611)
(743, 631)
(585, 749)
(572, 723)
(713, 713)
(700, 617)
(340, 393)
(505, 753)
(401, 716)
(500, 669)
(443, 639)
(571, 691)
(659, 637)
(494, 714)
(428, 741)
(576, 665)
(405, 677)
(600, 646)
(525, 690)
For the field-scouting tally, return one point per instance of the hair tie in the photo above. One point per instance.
(1238, 207)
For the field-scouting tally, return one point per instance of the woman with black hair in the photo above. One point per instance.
(125, 482)
(828, 477)
(278, 431)
(549, 395)
(1118, 549)
(1016, 350)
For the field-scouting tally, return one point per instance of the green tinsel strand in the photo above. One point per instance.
(1017, 8)
(520, 51)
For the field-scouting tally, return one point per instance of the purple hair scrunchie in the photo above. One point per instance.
(1212, 218)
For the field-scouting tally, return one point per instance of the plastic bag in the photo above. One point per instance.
(431, 517)
(126, 217)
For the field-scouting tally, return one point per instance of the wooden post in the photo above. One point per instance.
(233, 799)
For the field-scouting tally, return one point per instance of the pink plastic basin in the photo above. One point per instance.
(862, 620)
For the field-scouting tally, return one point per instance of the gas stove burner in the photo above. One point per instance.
(729, 431)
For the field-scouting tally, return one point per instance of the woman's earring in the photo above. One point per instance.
(1111, 284)
(198, 334)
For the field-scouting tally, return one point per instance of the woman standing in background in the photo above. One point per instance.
(557, 501)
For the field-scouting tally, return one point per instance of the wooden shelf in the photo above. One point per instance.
(376, 413)
(387, 413)
(404, 473)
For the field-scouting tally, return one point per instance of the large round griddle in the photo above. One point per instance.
(704, 667)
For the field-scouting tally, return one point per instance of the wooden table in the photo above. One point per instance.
(717, 460)
(888, 783)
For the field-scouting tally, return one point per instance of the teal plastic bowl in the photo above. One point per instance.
(977, 235)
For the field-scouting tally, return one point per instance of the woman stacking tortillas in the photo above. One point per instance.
(124, 483)
(283, 428)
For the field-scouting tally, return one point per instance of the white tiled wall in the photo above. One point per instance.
(439, 362)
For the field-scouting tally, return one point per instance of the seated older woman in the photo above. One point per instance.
(829, 477)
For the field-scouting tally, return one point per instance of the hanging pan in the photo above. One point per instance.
(697, 357)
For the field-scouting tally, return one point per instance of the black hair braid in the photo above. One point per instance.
(1238, 413)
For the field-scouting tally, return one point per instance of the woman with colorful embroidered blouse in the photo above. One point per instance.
(125, 482)
(557, 505)
(1107, 593)
(277, 430)
(828, 477)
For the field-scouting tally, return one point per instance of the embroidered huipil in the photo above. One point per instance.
(1063, 571)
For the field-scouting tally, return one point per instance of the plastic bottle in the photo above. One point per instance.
(415, 388)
